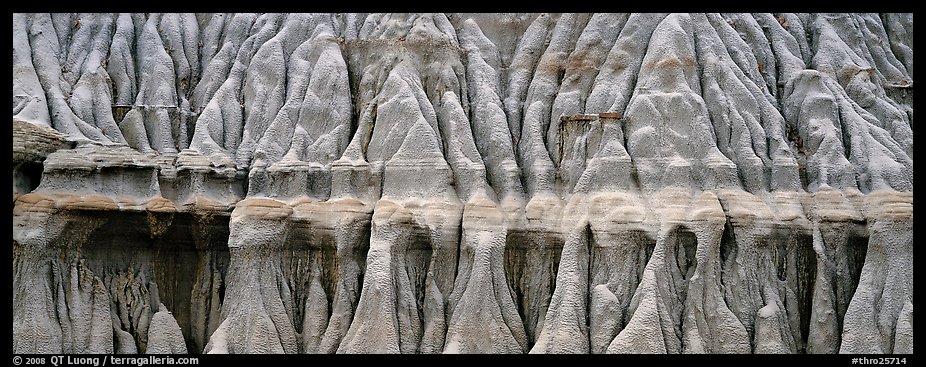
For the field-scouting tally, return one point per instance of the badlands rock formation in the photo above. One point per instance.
(462, 183)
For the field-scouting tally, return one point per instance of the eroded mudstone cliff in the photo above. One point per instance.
(462, 183)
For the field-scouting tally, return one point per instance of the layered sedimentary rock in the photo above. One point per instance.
(462, 183)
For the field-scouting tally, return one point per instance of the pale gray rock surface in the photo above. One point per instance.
(462, 183)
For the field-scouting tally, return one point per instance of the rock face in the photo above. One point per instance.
(462, 183)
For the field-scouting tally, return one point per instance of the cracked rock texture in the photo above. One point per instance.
(462, 183)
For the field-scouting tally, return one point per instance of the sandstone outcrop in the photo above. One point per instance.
(462, 183)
